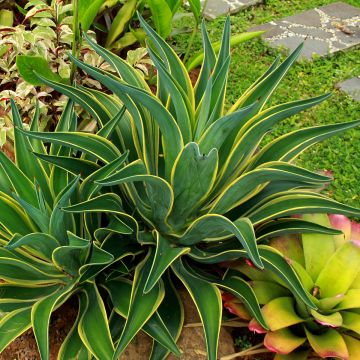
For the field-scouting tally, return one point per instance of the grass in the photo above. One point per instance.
(339, 154)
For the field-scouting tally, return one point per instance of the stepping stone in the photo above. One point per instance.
(216, 8)
(323, 30)
(351, 87)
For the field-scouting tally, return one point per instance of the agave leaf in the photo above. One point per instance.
(191, 191)
(81, 97)
(207, 299)
(165, 255)
(219, 132)
(329, 344)
(75, 166)
(115, 226)
(207, 65)
(289, 146)
(159, 194)
(248, 139)
(19, 181)
(264, 88)
(94, 316)
(19, 292)
(339, 271)
(172, 61)
(304, 277)
(285, 226)
(14, 324)
(91, 144)
(20, 272)
(280, 313)
(142, 306)
(243, 291)
(59, 217)
(171, 312)
(183, 110)
(12, 218)
(120, 292)
(102, 203)
(40, 319)
(73, 347)
(70, 258)
(214, 227)
(248, 184)
(283, 341)
(40, 242)
(88, 186)
(125, 71)
(24, 159)
(298, 203)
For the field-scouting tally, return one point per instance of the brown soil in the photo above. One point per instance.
(191, 341)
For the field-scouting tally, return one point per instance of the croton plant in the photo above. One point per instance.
(329, 269)
(170, 186)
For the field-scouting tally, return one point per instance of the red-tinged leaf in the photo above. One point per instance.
(280, 313)
(328, 344)
(283, 341)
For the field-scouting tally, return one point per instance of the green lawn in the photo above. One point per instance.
(306, 79)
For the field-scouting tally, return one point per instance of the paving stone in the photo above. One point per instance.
(351, 87)
(323, 30)
(216, 8)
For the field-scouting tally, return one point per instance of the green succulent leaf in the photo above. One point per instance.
(14, 324)
(207, 299)
(99, 342)
(142, 306)
(283, 341)
(165, 254)
(73, 347)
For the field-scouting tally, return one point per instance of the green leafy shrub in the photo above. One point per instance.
(198, 186)
(46, 36)
(329, 269)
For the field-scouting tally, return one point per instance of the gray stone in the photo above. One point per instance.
(216, 8)
(323, 30)
(351, 87)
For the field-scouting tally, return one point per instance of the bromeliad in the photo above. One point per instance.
(329, 268)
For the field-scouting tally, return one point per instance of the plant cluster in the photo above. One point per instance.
(169, 189)
(329, 269)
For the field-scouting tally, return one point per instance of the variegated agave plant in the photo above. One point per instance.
(195, 183)
(46, 255)
(329, 268)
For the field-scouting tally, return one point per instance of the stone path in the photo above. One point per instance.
(351, 87)
(324, 30)
(216, 8)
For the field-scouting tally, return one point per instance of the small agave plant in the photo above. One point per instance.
(329, 269)
(46, 254)
(189, 180)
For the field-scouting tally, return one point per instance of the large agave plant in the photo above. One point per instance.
(329, 268)
(195, 182)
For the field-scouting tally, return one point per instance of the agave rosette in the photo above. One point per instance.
(46, 255)
(193, 180)
(329, 268)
